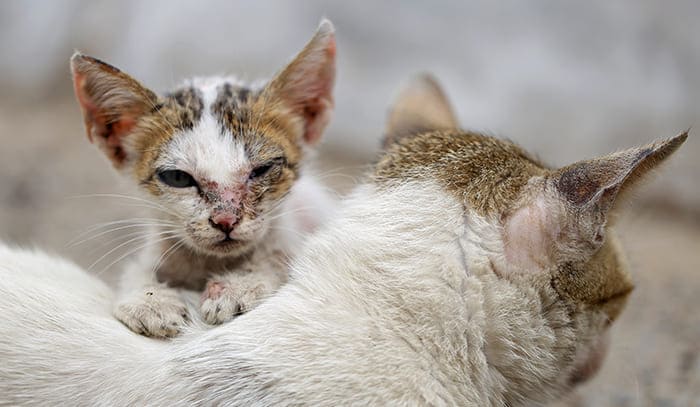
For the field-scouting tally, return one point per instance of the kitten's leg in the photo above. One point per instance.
(227, 295)
(148, 307)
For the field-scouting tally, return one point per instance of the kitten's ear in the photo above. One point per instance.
(421, 106)
(306, 85)
(112, 102)
(565, 219)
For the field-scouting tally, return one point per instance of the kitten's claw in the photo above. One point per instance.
(223, 300)
(157, 312)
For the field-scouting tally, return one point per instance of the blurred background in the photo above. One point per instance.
(567, 80)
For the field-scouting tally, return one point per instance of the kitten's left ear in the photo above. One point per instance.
(306, 85)
(112, 103)
(566, 217)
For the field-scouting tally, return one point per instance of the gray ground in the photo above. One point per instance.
(565, 80)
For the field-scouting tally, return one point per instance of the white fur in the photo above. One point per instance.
(393, 303)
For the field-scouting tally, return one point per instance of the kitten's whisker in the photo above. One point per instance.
(127, 223)
(340, 171)
(163, 257)
(144, 202)
(155, 221)
(121, 196)
(277, 216)
(117, 248)
(85, 236)
(170, 126)
(355, 180)
(148, 243)
(146, 235)
(164, 211)
(281, 201)
(298, 233)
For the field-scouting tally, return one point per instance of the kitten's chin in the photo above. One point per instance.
(225, 248)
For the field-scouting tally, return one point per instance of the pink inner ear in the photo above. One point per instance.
(95, 121)
(317, 118)
(313, 90)
(90, 111)
(528, 237)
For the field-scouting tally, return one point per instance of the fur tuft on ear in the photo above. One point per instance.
(306, 85)
(421, 106)
(111, 101)
(566, 212)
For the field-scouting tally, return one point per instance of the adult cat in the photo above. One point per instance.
(463, 272)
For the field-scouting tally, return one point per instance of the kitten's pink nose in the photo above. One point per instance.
(224, 222)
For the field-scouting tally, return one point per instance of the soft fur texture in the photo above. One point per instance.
(408, 297)
(224, 168)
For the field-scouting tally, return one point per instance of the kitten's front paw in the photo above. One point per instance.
(224, 299)
(156, 311)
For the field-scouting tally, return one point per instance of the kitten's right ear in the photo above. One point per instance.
(112, 103)
(305, 85)
(421, 106)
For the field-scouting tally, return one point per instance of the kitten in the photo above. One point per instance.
(223, 163)
(463, 272)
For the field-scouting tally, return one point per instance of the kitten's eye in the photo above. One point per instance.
(261, 170)
(177, 178)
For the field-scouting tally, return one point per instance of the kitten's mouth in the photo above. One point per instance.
(228, 241)
(226, 246)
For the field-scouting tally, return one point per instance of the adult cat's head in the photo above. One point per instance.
(546, 235)
(219, 155)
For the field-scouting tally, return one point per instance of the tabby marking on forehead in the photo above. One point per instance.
(190, 100)
(233, 107)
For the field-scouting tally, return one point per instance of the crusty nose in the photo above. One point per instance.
(225, 222)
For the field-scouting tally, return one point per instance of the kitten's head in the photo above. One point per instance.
(548, 229)
(219, 155)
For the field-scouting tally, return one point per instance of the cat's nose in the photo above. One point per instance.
(224, 222)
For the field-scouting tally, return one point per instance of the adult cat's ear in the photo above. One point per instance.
(595, 185)
(112, 103)
(421, 106)
(565, 219)
(306, 85)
